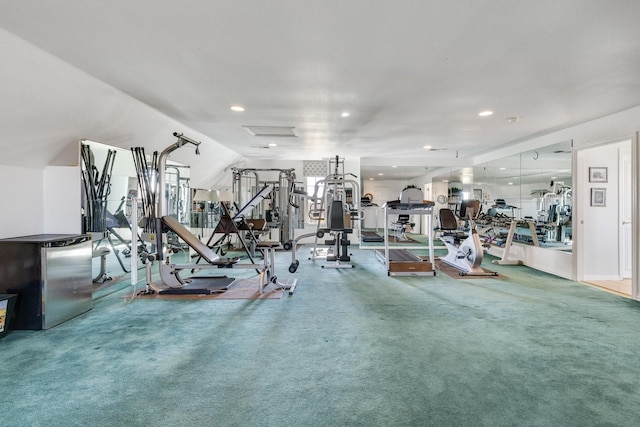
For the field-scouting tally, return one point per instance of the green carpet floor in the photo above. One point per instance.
(352, 347)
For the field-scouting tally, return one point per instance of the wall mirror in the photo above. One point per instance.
(533, 187)
(108, 182)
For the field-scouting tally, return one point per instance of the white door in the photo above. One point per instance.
(380, 197)
(625, 212)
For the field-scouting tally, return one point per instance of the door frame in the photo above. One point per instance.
(624, 173)
(580, 182)
(635, 218)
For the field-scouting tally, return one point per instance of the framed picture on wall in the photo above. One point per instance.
(598, 174)
(598, 197)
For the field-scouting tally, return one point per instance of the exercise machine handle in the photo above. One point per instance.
(183, 139)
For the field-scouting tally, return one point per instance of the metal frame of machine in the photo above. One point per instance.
(284, 212)
(400, 261)
(339, 203)
(158, 222)
(464, 248)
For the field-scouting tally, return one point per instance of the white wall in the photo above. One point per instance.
(22, 193)
(547, 260)
(394, 188)
(61, 203)
(40, 201)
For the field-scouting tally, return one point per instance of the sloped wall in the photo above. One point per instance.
(48, 106)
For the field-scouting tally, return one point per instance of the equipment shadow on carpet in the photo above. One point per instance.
(241, 289)
(455, 273)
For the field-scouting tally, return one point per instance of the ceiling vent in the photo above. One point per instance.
(272, 131)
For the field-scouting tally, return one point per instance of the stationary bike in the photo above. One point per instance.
(464, 248)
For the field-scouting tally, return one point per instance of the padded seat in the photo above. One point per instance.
(448, 220)
(469, 209)
(449, 225)
(267, 244)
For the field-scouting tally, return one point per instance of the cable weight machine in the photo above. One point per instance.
(283, 213)
(335, 208)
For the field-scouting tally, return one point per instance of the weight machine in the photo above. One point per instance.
(158, 223)
(283, 213)
(334, 205)
(554, 213)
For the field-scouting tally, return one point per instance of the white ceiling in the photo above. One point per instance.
(410, 73)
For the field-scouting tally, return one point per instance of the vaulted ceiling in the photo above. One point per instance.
(409, 73)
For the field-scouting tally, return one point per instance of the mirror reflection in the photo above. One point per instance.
(531, 190)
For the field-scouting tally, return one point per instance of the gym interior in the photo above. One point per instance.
(417, 213)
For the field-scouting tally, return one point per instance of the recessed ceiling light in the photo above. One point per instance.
(380, 174)
(485, 113)
(427, 147)
(554, 177)
(345, 114)
(510, 183)
(273, 144)
(394, 166)
(237, 108)
(503, 169)
(370, 179)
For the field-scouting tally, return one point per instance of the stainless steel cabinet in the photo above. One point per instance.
(51, 273)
